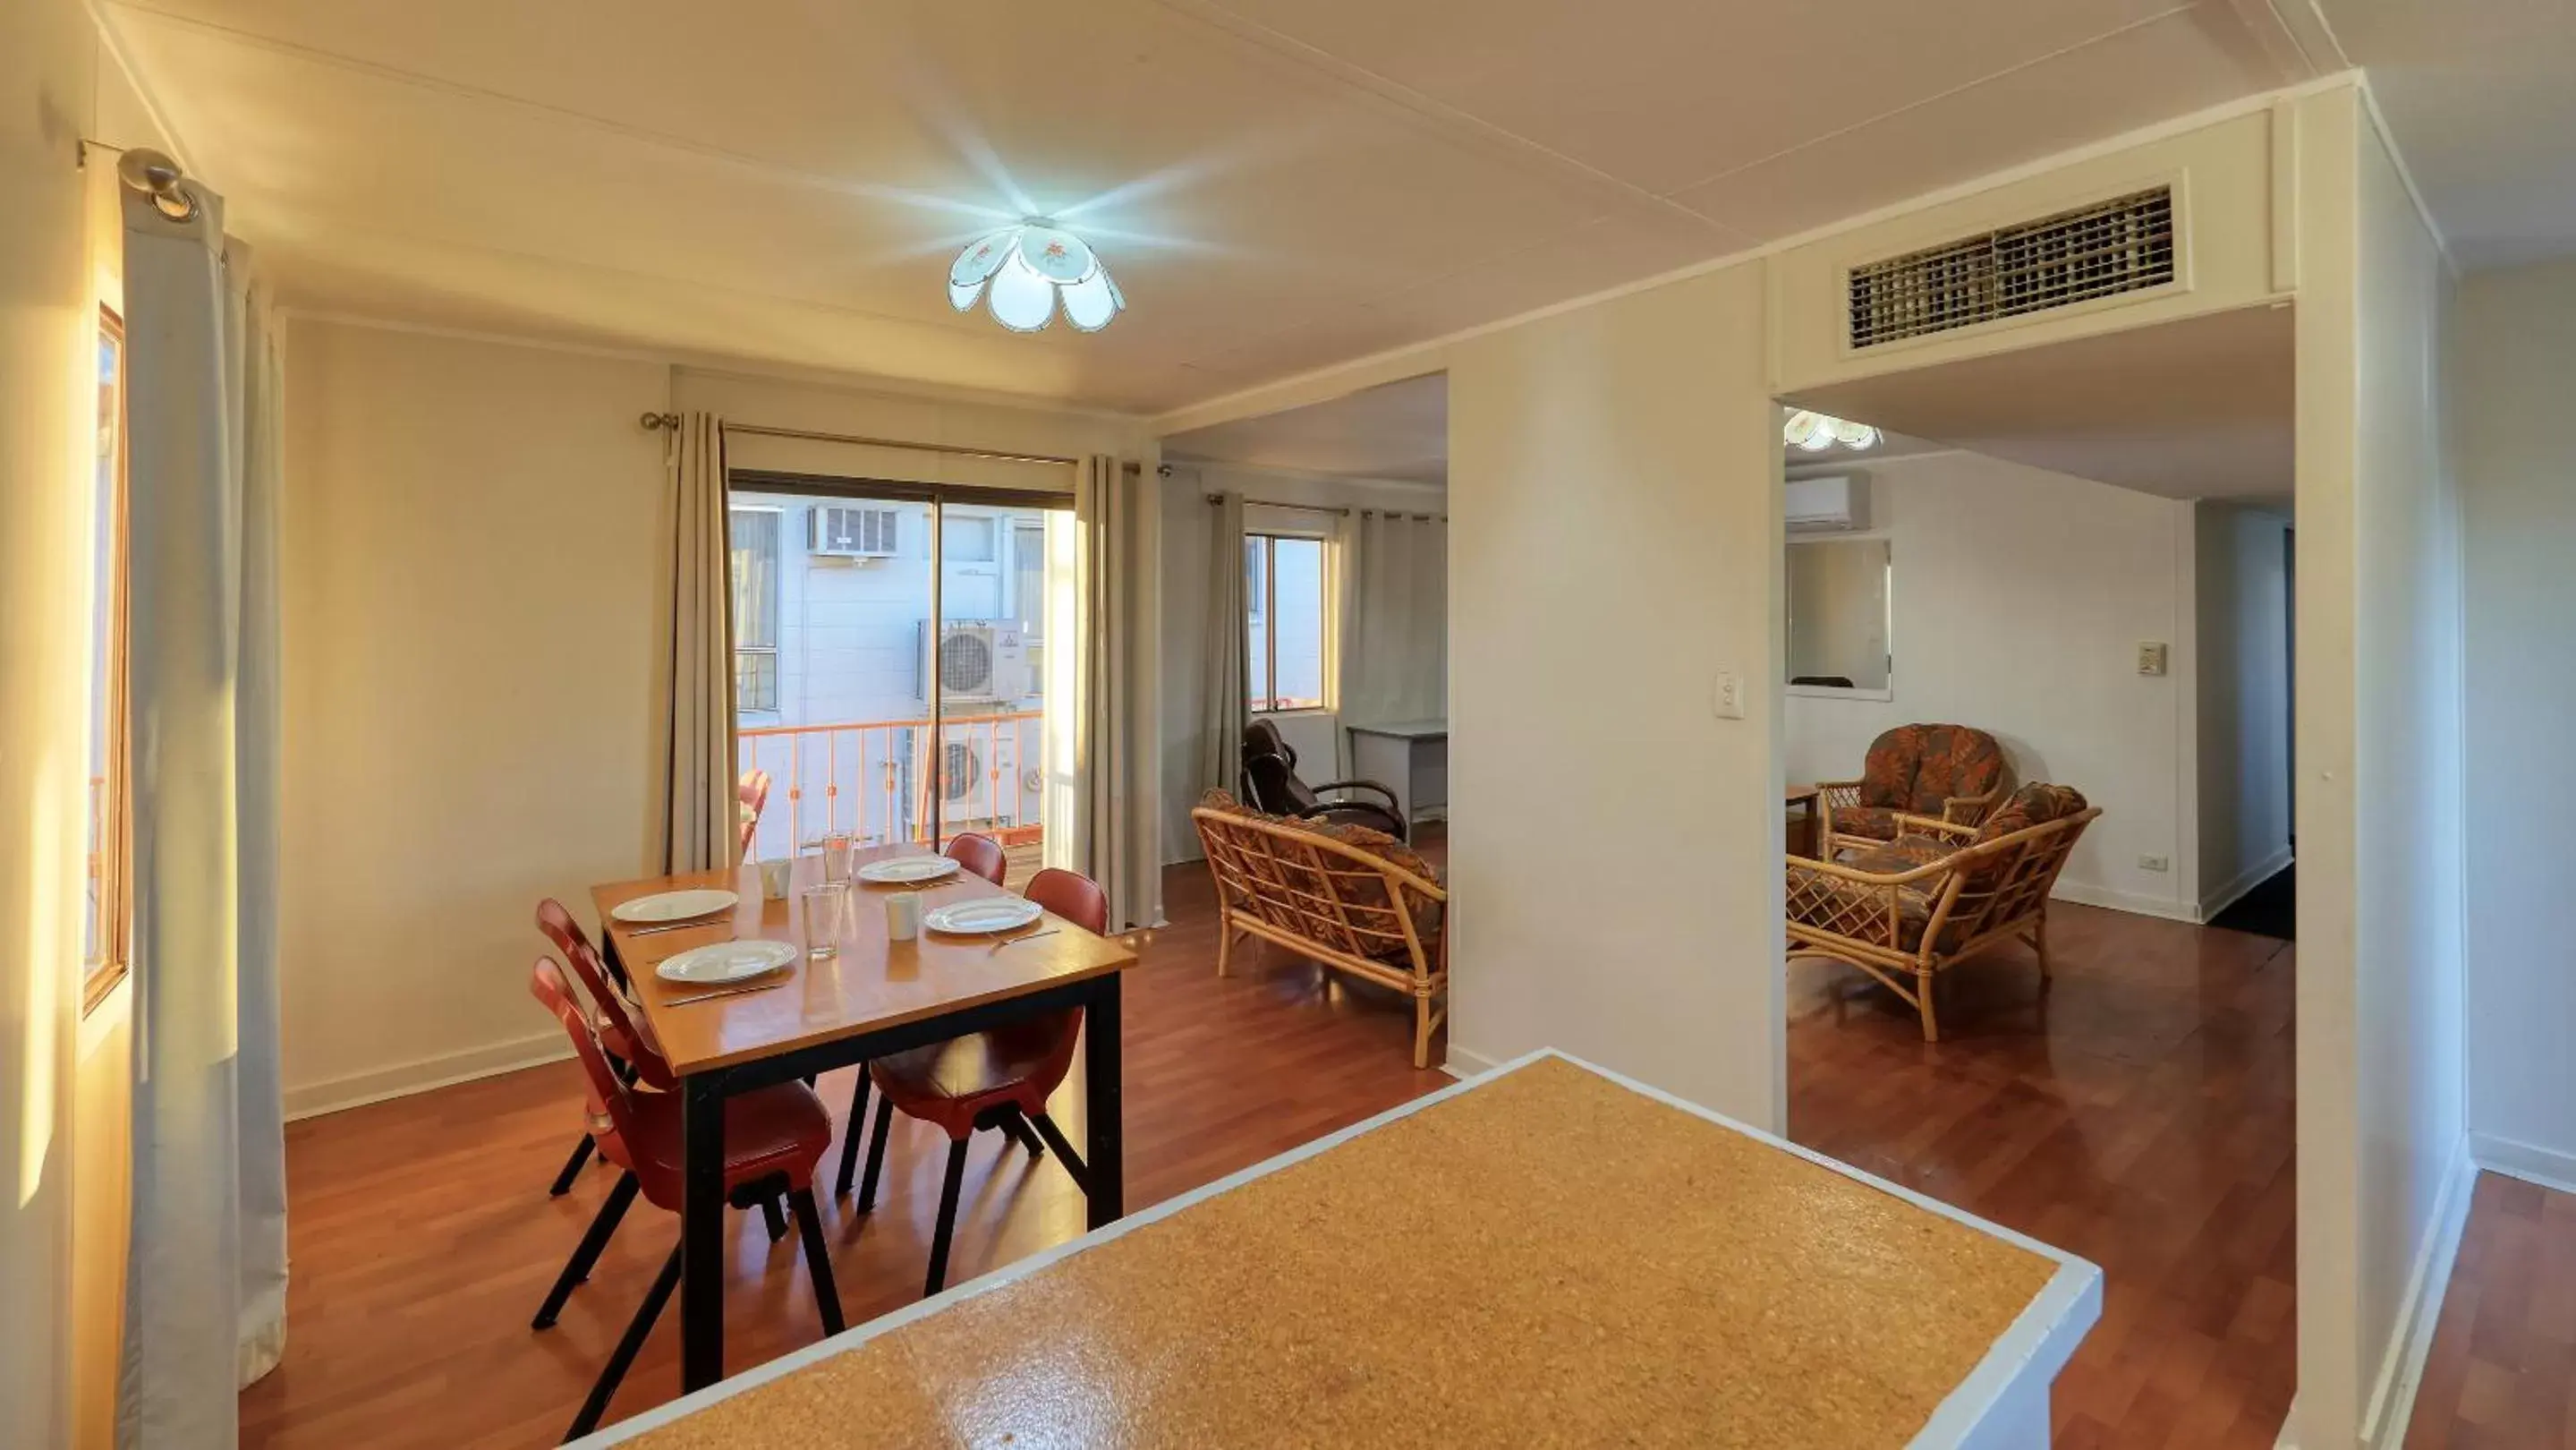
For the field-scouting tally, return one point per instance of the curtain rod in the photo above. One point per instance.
(656, 421)
(1272, 503)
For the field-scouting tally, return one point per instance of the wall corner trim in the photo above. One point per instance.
(312, 1100)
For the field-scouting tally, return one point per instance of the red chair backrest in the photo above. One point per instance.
(569, 939)
(979, 854)
(1071, 895)
(610, 1110)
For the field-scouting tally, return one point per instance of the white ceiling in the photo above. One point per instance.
(1396, 430)
(2481, 96)
(2199, 408)
(1278, 184)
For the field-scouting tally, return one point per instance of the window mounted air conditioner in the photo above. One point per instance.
(850, 531)
(1839, 502)
(975, 660)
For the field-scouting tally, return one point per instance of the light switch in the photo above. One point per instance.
(1727, 699)
(2151, 657)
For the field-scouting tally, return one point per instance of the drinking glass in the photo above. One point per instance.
(836, 858)
(827, 914)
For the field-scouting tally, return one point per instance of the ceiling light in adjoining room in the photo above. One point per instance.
(1021, 270)
(1810, 432)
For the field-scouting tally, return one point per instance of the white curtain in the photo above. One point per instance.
(694, 776)
(1394, 618)
(205, 1304)
(1223, 716)
(1114, 704)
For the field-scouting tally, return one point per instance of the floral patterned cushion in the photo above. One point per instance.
(1900, 855)
(1876, 822)
(1919, 768)
(2035, 804)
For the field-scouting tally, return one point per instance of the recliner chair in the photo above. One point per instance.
(1271, 783)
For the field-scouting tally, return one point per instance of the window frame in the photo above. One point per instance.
(777, 601)
(115, 865)
(1262, 613)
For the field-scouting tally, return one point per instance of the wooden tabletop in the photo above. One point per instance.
(872, 983)
(1546, 1255)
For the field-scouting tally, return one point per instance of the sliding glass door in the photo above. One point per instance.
(891, 665)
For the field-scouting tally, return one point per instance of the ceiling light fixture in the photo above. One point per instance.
(1019, 271)
(1810, 432)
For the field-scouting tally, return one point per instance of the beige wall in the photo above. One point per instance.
(47, 58)
(1614, 544)
(2241, 587)
(2379, 1111)
(2514, 370)
(471, 536)
(2021, 597)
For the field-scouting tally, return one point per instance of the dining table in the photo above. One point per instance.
(862, 996)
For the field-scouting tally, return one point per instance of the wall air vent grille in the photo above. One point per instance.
(2122, 245)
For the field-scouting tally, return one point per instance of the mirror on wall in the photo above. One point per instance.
(1840, 597)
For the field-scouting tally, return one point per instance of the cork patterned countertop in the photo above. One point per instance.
(1545, 1258)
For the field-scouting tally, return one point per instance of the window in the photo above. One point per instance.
(103, 929)
(1283, 591)
(967, 539)
(755, 608)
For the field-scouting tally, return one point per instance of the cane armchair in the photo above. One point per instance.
(1354, 899)
(1905, 911)
(1952, 773)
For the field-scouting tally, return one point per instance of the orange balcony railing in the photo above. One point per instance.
(874, 779)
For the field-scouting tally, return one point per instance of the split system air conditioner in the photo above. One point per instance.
(1825, 505)
(975, 661)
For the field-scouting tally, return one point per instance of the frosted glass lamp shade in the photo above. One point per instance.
(1020, 271)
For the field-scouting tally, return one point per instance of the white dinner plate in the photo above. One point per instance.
(674, 906)
(983, 915)
(907, 870)
(726, 961)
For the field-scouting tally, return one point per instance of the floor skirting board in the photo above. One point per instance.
(2546, 1167)
(2088, 895)
(1466, 1063)
(2401, 1364)
(2246, 880)
(312, 1100)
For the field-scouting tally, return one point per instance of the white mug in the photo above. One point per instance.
(903, 915)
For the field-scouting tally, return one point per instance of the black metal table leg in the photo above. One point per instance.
(1104, 1151)
(702, 1220)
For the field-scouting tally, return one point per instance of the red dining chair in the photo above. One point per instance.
(753, 791)
(774, 1137)
(995, 1079)
(984, 856)
(980, 854)
(629, 1047)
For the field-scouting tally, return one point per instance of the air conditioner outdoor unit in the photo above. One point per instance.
(983, 660)
(1824, 505)
(850, 531)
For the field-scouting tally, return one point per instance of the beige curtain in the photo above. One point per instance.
(1222, 715)
(205, 1303)
(1394, 593)
(1115, 748)
(696, 776)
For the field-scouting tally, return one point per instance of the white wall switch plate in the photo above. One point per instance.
(1727, 697)
(2154, 863)
(2151, 657)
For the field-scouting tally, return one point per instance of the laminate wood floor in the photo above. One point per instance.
(2502, 1370)
(2138, 1116)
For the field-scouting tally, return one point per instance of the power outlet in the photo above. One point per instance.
(1726, 698)
(2154, 863)
(2151, 657)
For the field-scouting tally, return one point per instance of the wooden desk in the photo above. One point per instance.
(1410, 758)
(875, 997)
(1545, 1255)
(1803, 831)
